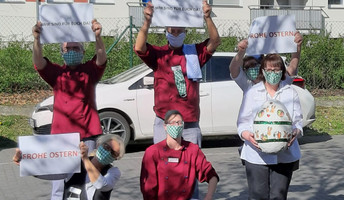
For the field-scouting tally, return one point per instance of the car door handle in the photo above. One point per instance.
(204, 94)
(129, 99)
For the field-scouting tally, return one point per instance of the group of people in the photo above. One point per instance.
(173, 165)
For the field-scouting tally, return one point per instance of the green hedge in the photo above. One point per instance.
(322, 60)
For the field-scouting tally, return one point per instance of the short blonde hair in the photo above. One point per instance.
(105, 138)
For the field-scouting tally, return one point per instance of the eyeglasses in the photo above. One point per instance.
(107, 147)
(272, 70)
(179, 123)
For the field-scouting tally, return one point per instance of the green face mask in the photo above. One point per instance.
(72, 58)
(252, 72)
(174, 131)
(273, 78)
(104, 156)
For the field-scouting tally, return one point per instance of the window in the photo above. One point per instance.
(139, 84)
(225, 2)
(12, 1)
(335, 4)
(60, 1)
(103, 1)
(218, 68)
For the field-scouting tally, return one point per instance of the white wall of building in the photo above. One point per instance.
(17, 19)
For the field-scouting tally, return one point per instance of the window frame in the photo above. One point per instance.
(340, 5)
(60, 1)
(239, 4)
(12, 1)
(110, 2)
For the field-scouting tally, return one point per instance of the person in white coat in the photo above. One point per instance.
(269, 175)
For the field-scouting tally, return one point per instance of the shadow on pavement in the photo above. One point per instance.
(313, 136)
(314, 139)
(6, 143)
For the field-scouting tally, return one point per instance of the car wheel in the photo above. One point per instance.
(114, 123)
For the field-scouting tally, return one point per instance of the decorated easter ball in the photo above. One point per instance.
(272, 127)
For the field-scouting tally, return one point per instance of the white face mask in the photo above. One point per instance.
(175, 41)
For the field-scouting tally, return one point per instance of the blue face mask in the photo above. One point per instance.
(175, 41)
(104, 156)
(72, 58)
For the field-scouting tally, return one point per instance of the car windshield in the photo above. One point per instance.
(126, 75)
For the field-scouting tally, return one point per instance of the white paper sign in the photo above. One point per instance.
(50, 154)
(66, 23)
(272, 34)
(177, 13)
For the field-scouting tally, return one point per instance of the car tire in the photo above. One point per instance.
(114, 123)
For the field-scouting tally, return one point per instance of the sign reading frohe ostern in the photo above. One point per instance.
(177, 13)
(50, 154)
(272, 34)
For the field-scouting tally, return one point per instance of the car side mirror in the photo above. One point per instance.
(148, 82)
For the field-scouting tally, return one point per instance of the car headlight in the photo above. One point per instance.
(39, 108)
(32, 123)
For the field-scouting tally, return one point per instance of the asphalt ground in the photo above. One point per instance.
(321, 173)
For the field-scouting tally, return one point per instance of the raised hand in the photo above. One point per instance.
(242, 45)
(148, 11)
(298, 38)
(96, 27)
(36, 30)
(206, 9)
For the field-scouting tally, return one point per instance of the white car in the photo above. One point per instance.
(125, 102)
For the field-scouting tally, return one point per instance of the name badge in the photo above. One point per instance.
(173, 160)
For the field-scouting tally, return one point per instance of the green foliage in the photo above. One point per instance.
(11, 127)
(321, 64)
(16, 67)
(329, 120)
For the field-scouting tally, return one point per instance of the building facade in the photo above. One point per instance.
(232, 17)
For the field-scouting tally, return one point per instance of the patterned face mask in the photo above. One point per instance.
(174, 131)
(273, 78)
(72, 58)
(104, 156)
(252, 72)
(175, 41)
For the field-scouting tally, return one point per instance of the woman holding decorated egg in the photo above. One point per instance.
(270, 120)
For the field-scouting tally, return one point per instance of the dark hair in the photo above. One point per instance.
(276, 61)
(170, 113)
(246, 61)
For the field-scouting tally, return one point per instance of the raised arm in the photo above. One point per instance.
(92, 171)
(100, 47)
(237, 61)
(214, 40)
(295, 57)
(37, 55)
(140, 45)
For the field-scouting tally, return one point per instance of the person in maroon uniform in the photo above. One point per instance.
(74, 86)
(177, 71)
(170, 167)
